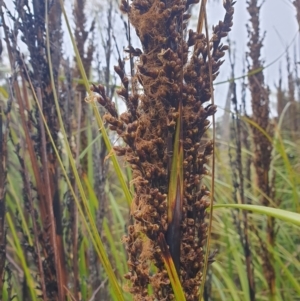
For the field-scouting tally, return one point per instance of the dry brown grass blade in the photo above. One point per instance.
(201, 17)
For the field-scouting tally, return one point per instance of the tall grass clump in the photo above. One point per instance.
(46, 242)
(260, 167)
(162, 128)
(241, 178)
(262, 143)
(40, 187)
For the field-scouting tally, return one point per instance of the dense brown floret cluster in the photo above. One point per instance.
(170, 71)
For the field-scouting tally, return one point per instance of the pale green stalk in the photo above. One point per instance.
(90, 99)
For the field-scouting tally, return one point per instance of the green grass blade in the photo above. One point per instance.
(240, 267)
(112, 244)
(229, 283)
(83, 268)
(291, 278)
(15, 200)
(85, 151)
(218, 285)
(93, 201)
(20, 254)
(175, 195)
(288, 216)
(116, 210)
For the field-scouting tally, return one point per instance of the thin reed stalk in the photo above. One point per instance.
(241, 219)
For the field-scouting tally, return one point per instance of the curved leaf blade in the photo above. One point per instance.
(288, 216)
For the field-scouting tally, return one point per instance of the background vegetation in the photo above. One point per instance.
(66, 218)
